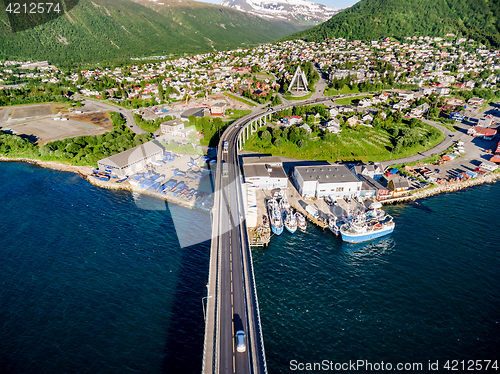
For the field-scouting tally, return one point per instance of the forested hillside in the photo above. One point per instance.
(103, 30)
(373, 19)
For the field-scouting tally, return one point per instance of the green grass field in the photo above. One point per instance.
(366, 144)
(245, 101)
(237, 113)
(349, 100)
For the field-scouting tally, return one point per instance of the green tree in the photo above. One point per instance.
(266, 136)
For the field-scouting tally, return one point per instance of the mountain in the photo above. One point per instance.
(300, 12)
(373, 19)
(105, 30)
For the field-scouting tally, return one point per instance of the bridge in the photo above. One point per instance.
(231, 303)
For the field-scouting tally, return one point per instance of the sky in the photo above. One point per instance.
(331, 3)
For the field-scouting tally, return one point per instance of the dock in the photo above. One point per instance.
(261, 238)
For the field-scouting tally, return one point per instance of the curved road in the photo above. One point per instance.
(126, 113)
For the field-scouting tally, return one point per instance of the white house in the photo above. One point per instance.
(327, 180)
(401, 105)
(365, 102)
(334, 112)
(333, 126)
(372, 170)
(442, 91)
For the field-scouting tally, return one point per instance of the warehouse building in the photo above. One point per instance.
(264, 172)
(333, 180)
(132, 160)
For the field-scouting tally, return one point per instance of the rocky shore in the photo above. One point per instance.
(444, 188)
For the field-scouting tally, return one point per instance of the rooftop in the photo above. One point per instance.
(326, 174)
(132, 155)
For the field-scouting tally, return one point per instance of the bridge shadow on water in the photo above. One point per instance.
(186, 332)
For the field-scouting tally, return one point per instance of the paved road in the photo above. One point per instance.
(235, 306)
(126, 113)
(450, 138)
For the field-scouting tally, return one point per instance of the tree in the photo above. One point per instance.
(276, 132)
(397, 116)
(278, 142)
(266, 136)
(301, 143)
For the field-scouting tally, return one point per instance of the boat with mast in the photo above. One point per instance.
(275, 216)
(287, 214)
(301, 221)
(370, 225)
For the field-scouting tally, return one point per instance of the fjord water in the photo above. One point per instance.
(429, 291)
(90, 283)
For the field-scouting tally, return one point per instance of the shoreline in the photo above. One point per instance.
(86, 171)
(444, 188)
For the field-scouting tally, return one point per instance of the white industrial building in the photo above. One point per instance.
(264, 172)
(132, 160)
(326, 180)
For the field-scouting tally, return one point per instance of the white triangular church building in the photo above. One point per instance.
(299, 81)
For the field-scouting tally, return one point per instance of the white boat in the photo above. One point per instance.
(360, 230)
(290, 221)
(334, 225)
(301, 221)
(275, 216)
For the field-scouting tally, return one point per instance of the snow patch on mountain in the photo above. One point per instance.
(302, 11)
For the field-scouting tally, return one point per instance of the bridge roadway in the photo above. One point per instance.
(232, 297)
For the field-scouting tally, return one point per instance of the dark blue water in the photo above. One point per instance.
(91, 283)
(429, 291)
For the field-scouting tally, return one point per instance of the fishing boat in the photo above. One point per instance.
(275, 216)
(334, 225)
(301, 221)
(290, 221)
(360, 230)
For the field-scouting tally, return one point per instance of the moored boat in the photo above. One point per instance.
(275, 216)
(359, 230)
(301, 221)
(334, 225)
(290, 221)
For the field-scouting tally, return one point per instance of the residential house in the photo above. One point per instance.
(443, 91)
(333, 126)
(367, 118)
(398, 184)
(306, 127)
(291, 120)
(352, 121)
(372, 170)
(334, 112)
(401, 105)
(365, 102)
(476, 101)
(481, 132)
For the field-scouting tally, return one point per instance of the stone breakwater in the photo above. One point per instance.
(445, 187)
